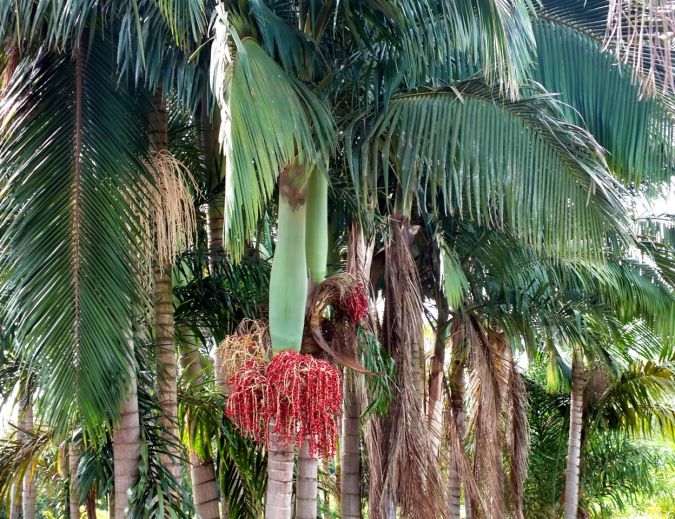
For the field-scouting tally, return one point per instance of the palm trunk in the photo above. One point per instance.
(307, 488)
(278, 497)
(571, 502)
(90, 504)
(204, 487)
(74, 460)
(350, 475)
(158, 134)
(435, 406)
(459, 413)
(359, 258)
(165, 350)
(215, 225)
(26, 428)
(316, 252)
(202, 471)
(126, 448)
(16, 498)
(24, 424)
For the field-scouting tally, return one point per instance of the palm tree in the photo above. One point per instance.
(431, 112)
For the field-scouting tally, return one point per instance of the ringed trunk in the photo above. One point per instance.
(202, 471)
(165, 346)
(454, 478)
(74, 460)
(350, 463)
(435, 406)
(571, 503)
(26, 425)
(126, 447)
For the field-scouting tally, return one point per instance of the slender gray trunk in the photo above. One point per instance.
(26, 426)
(459, 413)
(571, 502)
(350, 475)
(126, 447)
(279, 492)
(359, 259)
(307, 489)
(214, 229)
(73, 462)
(435, 405)
(202, 471)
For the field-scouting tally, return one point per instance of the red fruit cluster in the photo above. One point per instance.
(247, 393)
(301, 399)
(355, 303)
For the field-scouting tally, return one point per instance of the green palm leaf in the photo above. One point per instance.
(502, 163)
(69, 207)
(638, 132)
(269, 120)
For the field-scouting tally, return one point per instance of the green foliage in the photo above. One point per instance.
(72, 190)
(215, 303)
(500, 163)
(376, 359)
(269, 118)
(602, 96)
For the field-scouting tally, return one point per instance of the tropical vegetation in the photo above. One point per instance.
(319, 258)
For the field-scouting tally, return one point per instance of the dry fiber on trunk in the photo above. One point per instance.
(411, 475)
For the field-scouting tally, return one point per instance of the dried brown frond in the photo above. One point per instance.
(457, 458)
(642, 35)
(518, 439)
(250, 342)
(12, 57)
(172, 219)
(489, 380)
(411, 473)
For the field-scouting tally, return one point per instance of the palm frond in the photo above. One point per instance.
(640, 402)
(186, 18)
(269, 119)
(500, 163)
(636, 33)
(70, 198)
(603, 96)
(52, 23)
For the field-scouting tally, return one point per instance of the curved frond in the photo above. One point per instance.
(637, 131)
(502, 163)
(70, 197)
(269, 120)
(640, 402)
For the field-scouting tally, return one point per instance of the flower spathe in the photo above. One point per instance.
(298, 395)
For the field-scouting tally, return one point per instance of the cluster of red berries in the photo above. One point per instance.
(355, 303)
(299, 396)
(247, 392)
